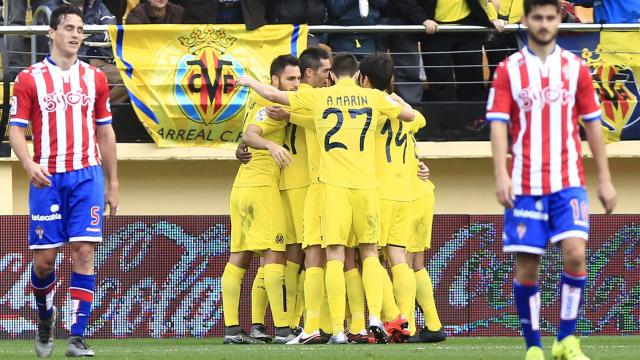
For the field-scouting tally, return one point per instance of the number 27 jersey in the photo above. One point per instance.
(346, 118)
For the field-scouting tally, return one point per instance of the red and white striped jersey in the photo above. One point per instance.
(64, 108)
(542, 103)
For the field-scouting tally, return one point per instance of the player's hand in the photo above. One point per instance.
(499, 24)
(504, 191)
(280, 155)
(278, 113)
(112, 199)
(38, 175)
(242, 153)
(423, 171)
(607, 195)
(244, 81)
(430, 26)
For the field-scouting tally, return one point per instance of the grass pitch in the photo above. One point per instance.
(596, 347)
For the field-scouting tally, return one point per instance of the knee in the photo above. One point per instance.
(44, 267)
(574, 259)
(83, 254)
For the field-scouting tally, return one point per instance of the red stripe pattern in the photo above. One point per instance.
(81, 294)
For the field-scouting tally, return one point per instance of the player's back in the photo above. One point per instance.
(346, 117)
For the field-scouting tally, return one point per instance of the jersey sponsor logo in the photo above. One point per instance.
(205, 77)
(14, 106)
(536, 96)
(90, 229)
(59, 100)
(52, 217)
(261, 115)
(530, 214)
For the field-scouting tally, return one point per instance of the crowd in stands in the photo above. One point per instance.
(451, 62)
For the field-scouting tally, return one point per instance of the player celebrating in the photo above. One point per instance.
(345, 117)
(540, 92)
(257, 219)
(67, 104)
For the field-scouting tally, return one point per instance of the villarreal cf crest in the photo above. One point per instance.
(205, 77)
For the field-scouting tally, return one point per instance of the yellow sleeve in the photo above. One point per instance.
(303, 119)
(387, 106)
(301, 100)
(268, 125)
(419, 121)
(490, 10)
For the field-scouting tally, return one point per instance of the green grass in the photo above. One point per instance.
(597, 347)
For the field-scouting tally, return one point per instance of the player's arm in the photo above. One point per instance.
(407, 113)
(280, 113)
(589, 110)
(252, 136)
(498, 109)
(107, 142)
(38, 175)
(266, 91)
(21, 103)
(423, 171)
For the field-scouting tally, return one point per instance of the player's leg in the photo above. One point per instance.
(527, 298)
(45, 236)
(85, 205)
(404, 291)
(276, 291)
(569, 219)
(355, 294)
(293, 206)
(259, 303)
(295, 258)
(432, 331)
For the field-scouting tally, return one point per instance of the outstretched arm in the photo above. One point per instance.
(266, 91)
(606, 191)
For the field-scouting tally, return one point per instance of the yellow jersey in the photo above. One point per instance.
(395, 162)
(346, 118)
(262, 170)
(451, 11)
(512, 10)
(419, 188)
(296, 175)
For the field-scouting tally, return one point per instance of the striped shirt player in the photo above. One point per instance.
(542, 103)
(66, 102)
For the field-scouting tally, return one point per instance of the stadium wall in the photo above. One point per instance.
(197, 181)
(160, 276)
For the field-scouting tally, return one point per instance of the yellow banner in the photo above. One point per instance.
(181, 78)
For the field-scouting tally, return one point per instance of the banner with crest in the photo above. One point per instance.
(615, 69)
(181, 78)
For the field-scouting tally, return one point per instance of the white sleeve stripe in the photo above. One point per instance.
(104, 119)
(593, 115)
(498, 115)
(18, 120)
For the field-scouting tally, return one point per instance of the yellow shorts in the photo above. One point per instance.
(395, 222)
(311, 218)
(349, 210)
(421, 223)
(257, 220)
(293, 204)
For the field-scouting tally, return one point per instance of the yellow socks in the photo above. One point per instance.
(274, 283)
(231, 282)
(299, 309)
(371, 270)
(291, 284)
(259, 300)
(404, 291)
(390, 309)
(424, 296)
(314, 294)
(326, 324)
(355, 294)
(335, 285)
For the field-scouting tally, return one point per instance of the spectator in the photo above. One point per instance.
(354, 12)
(312, 12)
(117, 7)
(404, 51)
(155, 12)
(468, 73)
(613, 11)
(248, 12)
(16, 14)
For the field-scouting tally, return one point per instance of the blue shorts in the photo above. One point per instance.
(69, 210)
(536, 220)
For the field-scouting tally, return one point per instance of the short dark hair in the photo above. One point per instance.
(279, 63)
(61, 12)
(344, 64)
(379, 69)
(530, 4)
(311, 58)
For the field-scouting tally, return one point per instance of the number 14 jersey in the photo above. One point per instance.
(346, 118)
